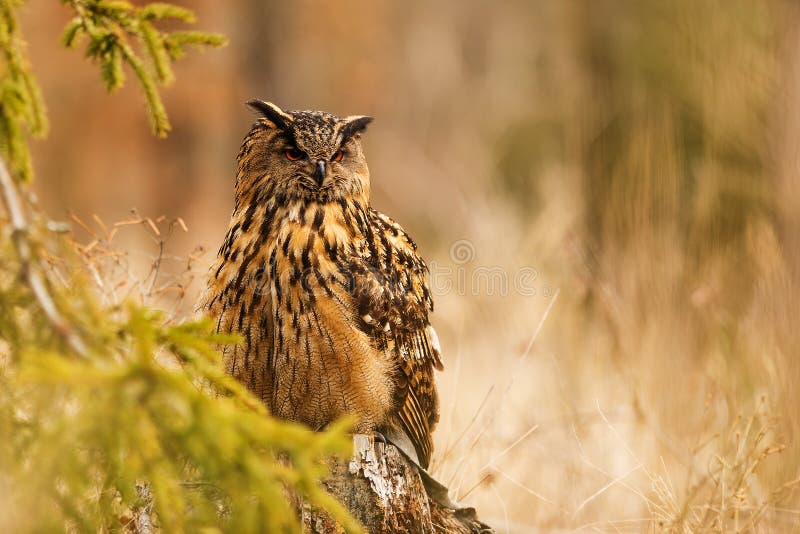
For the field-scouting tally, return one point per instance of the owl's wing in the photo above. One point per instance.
(394, 301)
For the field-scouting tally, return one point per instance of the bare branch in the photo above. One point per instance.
(29, 267)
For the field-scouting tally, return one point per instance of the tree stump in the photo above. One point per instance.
(384, 490)
(388, 493)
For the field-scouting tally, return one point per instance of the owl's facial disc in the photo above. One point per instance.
(315, 155)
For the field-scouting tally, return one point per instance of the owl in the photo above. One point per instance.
(329, 296)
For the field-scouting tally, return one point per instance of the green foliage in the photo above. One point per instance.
(109, 26)
(21, 107)
(110, 414)
(148, 402)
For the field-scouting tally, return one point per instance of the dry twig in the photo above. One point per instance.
(29, 267)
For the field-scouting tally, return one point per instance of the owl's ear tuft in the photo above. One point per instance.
(268, 110)
(354, 124)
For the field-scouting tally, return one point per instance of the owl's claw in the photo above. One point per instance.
(378, 437)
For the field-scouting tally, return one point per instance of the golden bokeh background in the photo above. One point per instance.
(608, 193)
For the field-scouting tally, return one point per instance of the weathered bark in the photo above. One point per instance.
(143, 516)
(388, 493)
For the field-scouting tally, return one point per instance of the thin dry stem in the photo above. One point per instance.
(29, 266)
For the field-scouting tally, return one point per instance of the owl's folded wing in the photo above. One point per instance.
(418, 410)
(393, 298)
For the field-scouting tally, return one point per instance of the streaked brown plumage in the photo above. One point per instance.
(329, 295)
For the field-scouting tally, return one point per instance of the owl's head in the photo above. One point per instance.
(309, 155)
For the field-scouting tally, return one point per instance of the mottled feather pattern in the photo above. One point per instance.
(330, 296)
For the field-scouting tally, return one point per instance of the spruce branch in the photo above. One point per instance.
(111, 27)
(22, 109)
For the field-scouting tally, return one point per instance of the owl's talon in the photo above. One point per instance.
(378, 437)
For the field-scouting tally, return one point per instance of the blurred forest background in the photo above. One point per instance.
(638, 159)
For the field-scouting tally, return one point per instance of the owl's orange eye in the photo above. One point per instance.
(294, 154)
(338, 156)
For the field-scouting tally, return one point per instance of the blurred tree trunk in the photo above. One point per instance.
(387, 493)
(787, 157)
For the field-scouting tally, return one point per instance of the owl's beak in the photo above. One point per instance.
(319, 172)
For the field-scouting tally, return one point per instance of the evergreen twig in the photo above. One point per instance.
(110, 25)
